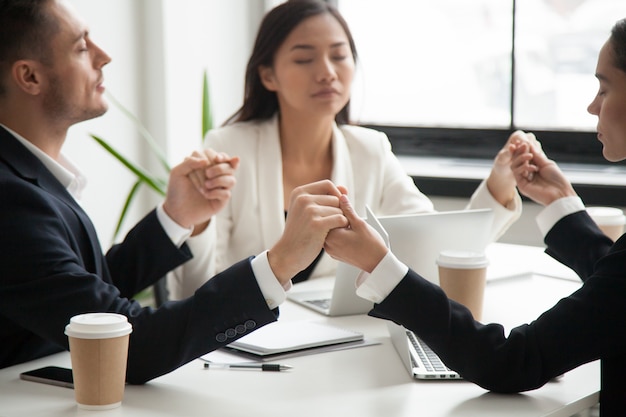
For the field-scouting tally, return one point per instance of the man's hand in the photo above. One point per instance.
(313, 212)
(199, 188)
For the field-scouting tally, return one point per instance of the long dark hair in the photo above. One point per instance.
(260, 103)
(618, 43)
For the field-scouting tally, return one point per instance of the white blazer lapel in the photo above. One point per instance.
(342, 173)
(270, 183)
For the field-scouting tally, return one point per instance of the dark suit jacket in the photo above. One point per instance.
(52, 268)
(590, 324)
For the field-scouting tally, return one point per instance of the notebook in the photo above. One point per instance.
(293, 336)
(420, 361)
(341, 300)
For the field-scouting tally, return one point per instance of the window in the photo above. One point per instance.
(465, 73)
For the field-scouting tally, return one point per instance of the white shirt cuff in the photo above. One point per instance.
(503, 216)
(384, 278)
(272, 291)
(554, 212)
(177, 234)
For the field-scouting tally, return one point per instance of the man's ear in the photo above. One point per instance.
(266, 74)
(27, 76)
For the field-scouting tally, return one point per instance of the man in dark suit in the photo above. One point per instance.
(51, 263)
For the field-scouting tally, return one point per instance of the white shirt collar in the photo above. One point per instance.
(63, 170)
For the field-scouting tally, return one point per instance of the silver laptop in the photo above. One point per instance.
(417, 357)
(341, 300)
(417, 239)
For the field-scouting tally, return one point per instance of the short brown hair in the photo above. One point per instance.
(25, 31)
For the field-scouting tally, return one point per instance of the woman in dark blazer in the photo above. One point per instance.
(588, 325)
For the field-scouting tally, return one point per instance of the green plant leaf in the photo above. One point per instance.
(129, 199)
(153, 182)
(207, 117)
(143, 131)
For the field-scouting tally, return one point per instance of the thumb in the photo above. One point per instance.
(348, 210)
(342, 189)
(234, 162)
(539, 156)
(190, 164)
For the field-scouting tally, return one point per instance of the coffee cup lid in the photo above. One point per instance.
(462, 259)
(607, 215)
(98, 326)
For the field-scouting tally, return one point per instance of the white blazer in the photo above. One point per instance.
(254, 218)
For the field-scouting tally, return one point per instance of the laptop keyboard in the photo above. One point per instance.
(429, 358)
(323, 303)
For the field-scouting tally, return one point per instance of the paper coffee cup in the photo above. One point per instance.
(99, 352)
(463, 276)
(609, 219)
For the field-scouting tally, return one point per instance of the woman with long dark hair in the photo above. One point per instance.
(293, 129)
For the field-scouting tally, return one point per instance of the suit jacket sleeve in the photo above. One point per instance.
(577, 242)
(52, 269)
(581, 328)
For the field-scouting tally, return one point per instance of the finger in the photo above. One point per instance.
(219, 194)
(197, 179)
(216, 170)
(224, 182)
(517, 136)
(319, 187)
(234, 162)
(211, 155)
(314, 201)
(190, 164)
(348, 210)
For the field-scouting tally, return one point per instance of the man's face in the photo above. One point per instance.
(72, 82)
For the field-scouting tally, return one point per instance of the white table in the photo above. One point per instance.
(367, 381)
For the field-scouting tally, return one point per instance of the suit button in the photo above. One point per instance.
(221, 337)
(230, 333)
(240, 329)
(250, 324)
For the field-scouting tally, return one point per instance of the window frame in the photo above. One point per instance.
(563, 146)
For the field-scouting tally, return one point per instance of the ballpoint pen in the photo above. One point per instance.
(272, 367)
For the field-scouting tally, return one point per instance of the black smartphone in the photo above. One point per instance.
(53, 375)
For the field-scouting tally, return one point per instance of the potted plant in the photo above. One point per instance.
(153, 181)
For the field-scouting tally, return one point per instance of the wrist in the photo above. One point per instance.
(502, 187)
(174, 216)
(280, 265)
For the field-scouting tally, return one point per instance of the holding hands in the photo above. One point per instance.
(521, 163)
(538, 177)
(199, 188)
(314, 210)
(501, 181)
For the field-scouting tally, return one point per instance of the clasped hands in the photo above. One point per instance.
(321, 215)
(199, 188)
